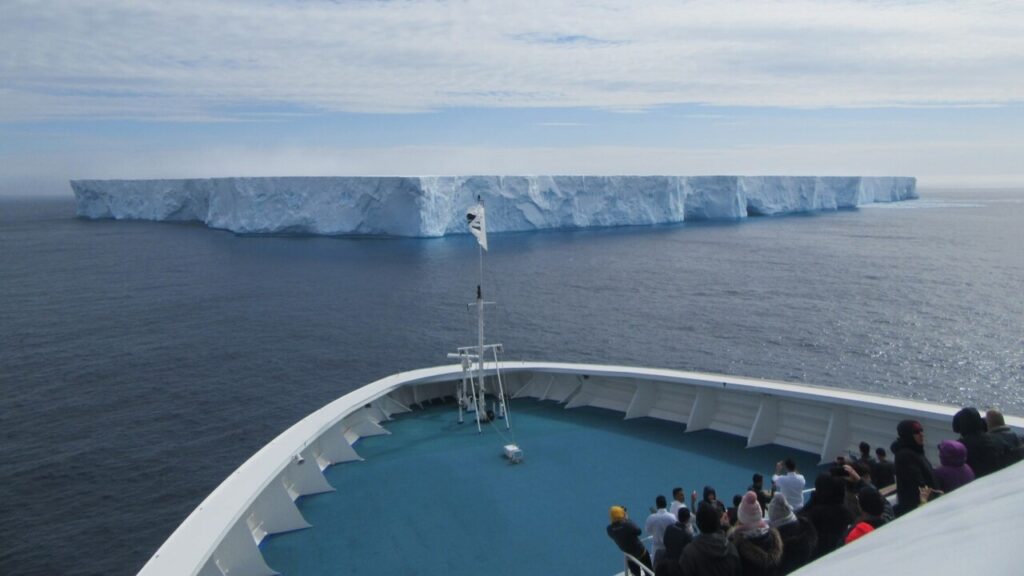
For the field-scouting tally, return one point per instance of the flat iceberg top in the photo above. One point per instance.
(422, 206)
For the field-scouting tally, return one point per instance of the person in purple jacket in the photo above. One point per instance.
(954, 471)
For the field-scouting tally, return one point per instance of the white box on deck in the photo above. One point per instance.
(513, 453)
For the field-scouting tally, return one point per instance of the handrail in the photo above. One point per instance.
(630, 558)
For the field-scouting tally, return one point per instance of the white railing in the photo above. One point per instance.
(630, 559)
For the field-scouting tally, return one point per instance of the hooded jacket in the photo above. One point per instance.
(913, 470)
(985, 454)
(954, 471)
(828, 513)
(710, 555)
(799, 539)
(708, 491)
(760, 555)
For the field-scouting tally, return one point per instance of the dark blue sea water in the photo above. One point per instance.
(140, 363)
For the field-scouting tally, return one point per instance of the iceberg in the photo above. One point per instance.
(432, 206)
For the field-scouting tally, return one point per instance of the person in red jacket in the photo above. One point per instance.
(872, 505)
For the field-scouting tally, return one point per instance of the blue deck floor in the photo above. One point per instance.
(435, 497)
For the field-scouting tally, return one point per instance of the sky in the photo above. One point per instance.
(183, 89)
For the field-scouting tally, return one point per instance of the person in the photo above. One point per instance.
(757, 487)
(858, 477)
(871, 503)
(828, 513)
(985, 454)
(656, 524)
(853, 481)
(677, 536)
(710, 553)
(915, 478)
(678, 500)
(883, 472)
(865, 454)
(758, 544)
(710, 497)
(1004, 434)
(733, 511)
(799, 538)
(626, 536)
(791, 484)
(953, 471)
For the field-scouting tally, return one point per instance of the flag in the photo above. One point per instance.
(475, 219)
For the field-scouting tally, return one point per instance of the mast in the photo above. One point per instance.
(466, 355)
(480, 330)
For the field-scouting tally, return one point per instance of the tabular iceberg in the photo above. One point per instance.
(435, 206)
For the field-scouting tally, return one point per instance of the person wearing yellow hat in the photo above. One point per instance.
(626, 536)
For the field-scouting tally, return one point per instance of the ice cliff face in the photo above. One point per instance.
(435, 206)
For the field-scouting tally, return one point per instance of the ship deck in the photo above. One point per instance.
(436, 497)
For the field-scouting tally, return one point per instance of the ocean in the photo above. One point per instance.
(142, 362)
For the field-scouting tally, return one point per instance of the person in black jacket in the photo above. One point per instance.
(677, 537)
(710, 497)
(1001, 432)
(872, 506)
(985, 454)
(799, 538)
(828, 513)
(626, 535)
(883, 472)
(710, 553)
(757, 487)
(915, 478)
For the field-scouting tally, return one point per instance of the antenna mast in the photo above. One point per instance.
(475, 399)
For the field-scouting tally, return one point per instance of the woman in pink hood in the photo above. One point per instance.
(954, 471)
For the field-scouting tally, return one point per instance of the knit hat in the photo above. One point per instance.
(617, 513)
(779, 512)
(749, 513)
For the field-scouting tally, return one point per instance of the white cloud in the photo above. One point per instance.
(205, 60)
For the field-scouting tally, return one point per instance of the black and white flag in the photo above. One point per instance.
(475, 219)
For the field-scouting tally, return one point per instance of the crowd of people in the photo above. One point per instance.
(772, 531)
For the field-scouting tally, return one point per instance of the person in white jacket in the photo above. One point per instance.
(791, 484)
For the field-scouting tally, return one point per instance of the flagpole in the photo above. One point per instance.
(480, 322)
(476, 218)
(480, 333)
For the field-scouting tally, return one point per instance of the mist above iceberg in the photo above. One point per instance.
(435, 206)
